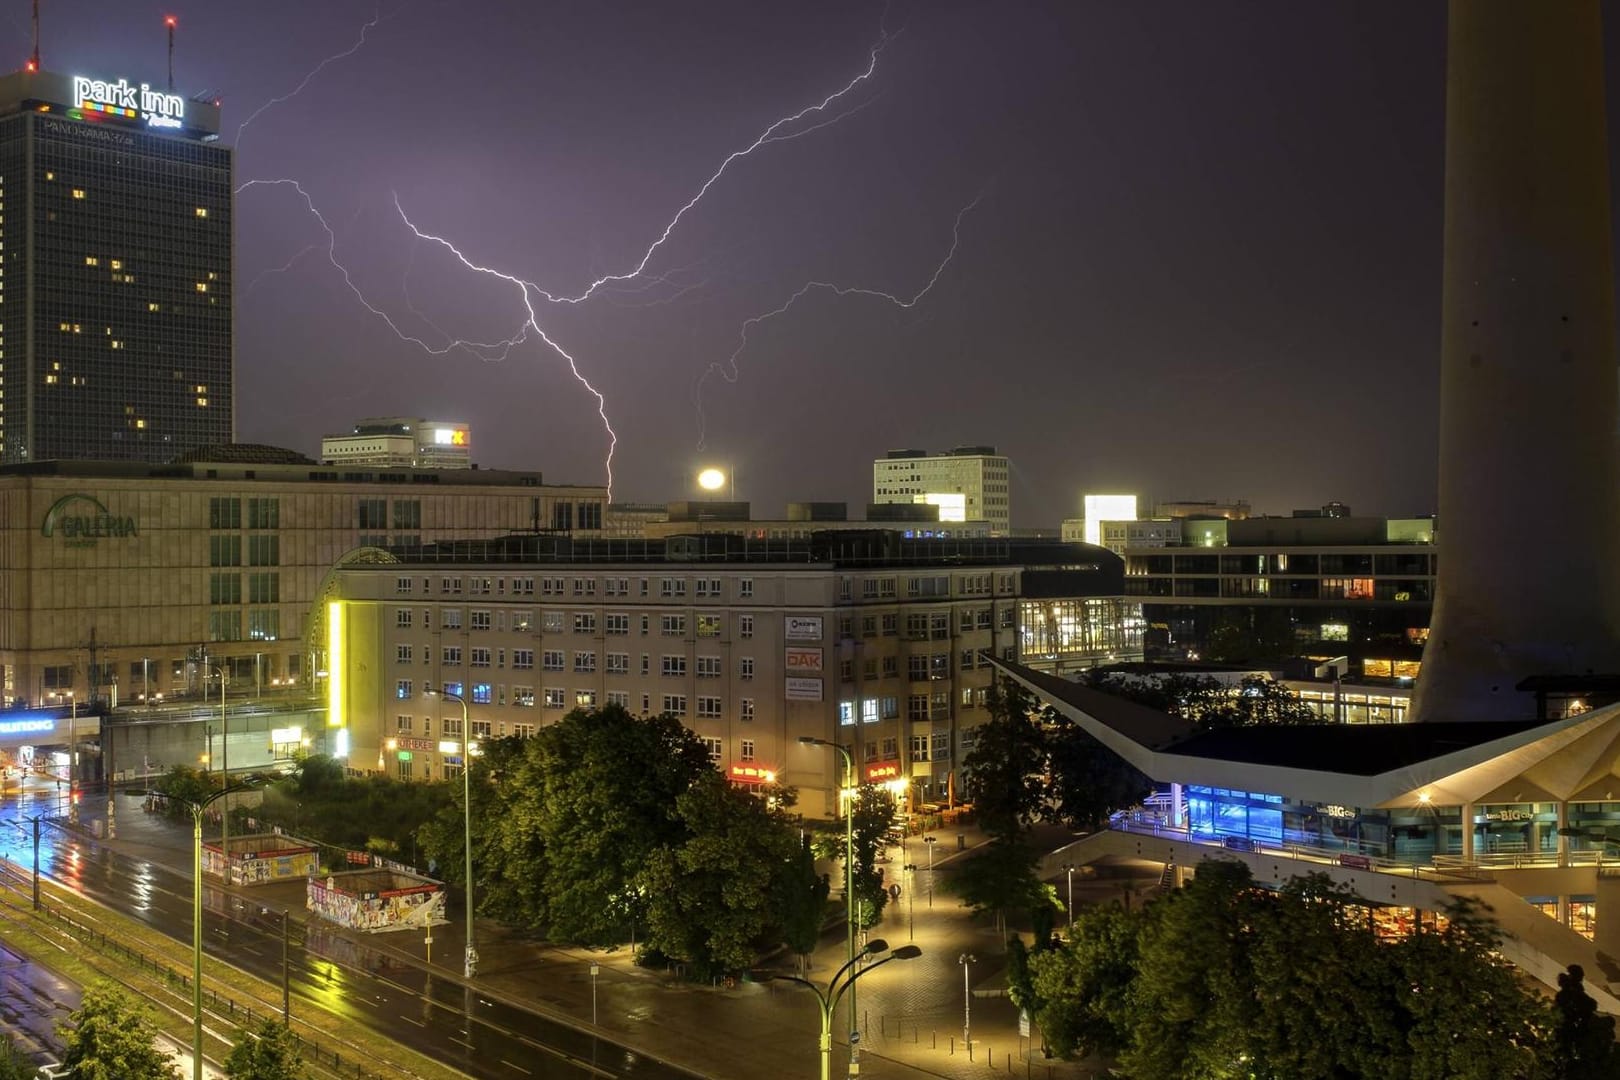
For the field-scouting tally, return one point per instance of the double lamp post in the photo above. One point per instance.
(469, 966)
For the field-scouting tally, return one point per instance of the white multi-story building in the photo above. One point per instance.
(407, 441)
(968, 483)
(877, 642)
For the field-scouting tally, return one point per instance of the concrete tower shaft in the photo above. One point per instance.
(1529, 479)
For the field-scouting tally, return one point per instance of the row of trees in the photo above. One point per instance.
(112, 1036)
(1224, 979)
(605, 827)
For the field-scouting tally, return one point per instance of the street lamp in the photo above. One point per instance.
(1070, 924)
(73, 759)
(197, 808)
(225, 768)
(849, 891)
(828, 999)
(967, 961)
(469, 964)
(930, 841)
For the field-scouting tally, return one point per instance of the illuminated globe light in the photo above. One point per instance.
(711, 479)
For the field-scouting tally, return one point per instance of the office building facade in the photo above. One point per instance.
(409, 441)
(968, 484)
(125, 573)
(874, 641)
(115, 272)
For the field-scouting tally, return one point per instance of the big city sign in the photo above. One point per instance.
(131, 102)
(84, 529)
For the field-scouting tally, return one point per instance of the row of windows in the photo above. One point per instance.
(555, 622)
(707, 706)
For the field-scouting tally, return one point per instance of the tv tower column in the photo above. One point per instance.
(1529, 578)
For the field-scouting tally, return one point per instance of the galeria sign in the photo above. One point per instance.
(135, 102)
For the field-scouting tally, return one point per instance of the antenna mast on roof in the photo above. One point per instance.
(169, 21)
(33, 59)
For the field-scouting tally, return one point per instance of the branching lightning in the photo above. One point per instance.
(727, 368)
(830, 110)
(377, 17)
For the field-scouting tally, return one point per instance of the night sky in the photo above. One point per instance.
(1204, 261)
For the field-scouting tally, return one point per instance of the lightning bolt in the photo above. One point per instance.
(727, 368)
(783, 129)
(377, 18)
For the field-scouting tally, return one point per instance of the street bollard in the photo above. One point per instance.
(953, 1045)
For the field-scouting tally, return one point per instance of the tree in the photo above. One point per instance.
(1001, 878)
(185, 785)
(582, 806)
(1003, 772)
(269, 1053)
(1465, 1014)
(1083, 988)
(1193, 990)
(801, 903)
(1583, 1042)
(1088, 780)
(710, 897)
(1211, 705)
(874, 816)
(111, 1036)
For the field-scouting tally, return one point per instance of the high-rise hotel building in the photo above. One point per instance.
(115, 270)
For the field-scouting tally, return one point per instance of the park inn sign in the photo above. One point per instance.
(71, 518)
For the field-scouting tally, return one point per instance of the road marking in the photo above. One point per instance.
(519, 1068)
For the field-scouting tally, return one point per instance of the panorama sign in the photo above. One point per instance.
(120, 98)
(71, 518)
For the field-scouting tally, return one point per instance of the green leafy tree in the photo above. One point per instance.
(1467, 1016)
(111, 1036)
(1211, 705)
(1193, 990)
(183, 783)
(1004, 771)
(999, 879)
(1083, 988)
(801, 903)
(874, 815)
(268, 1053)
(1088, 781)
(710, 896)
(1583, 1042)
(581, 806)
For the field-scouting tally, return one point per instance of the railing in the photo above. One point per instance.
(1149, 826)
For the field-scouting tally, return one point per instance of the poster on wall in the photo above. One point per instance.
(803, 689)
(804, 660)
(802, 627)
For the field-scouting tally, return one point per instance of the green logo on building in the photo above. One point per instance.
(83, 529)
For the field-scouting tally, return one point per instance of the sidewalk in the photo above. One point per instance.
(911, 1012)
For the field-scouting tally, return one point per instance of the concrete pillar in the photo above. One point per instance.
(1563, 910)
(1607, 936)
(1468, 832)
(1528, 388)
(1563, 853)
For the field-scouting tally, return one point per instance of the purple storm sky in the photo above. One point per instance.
(1204, 263)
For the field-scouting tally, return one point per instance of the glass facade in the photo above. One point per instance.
(123, 313)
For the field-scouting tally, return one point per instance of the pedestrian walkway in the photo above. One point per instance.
(912, 1013)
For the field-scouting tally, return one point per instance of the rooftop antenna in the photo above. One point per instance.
(169, 21)
(33, 60)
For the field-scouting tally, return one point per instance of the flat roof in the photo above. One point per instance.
(1352, 749)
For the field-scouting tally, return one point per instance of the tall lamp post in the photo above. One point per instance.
(197, 808)
(828, 999)
(849, 892)
(469, 964)
(73, 759)
(930, 841)
(225, 769)
(967, 960)
(1069, 924)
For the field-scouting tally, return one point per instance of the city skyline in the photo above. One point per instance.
(1222, 246)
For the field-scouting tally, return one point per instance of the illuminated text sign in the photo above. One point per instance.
(887, 771)
(130, 102)
(25, 727)
(752, 774)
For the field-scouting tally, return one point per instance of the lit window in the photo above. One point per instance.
(202, 286)
(202, 211)
(140, 425)
(91, 260)
(202, 401)
(152, 307)
(116, 264)
(78, 193)
(50, 176)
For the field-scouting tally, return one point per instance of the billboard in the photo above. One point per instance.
(804, 660)
(803, 689)
(802, 627)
